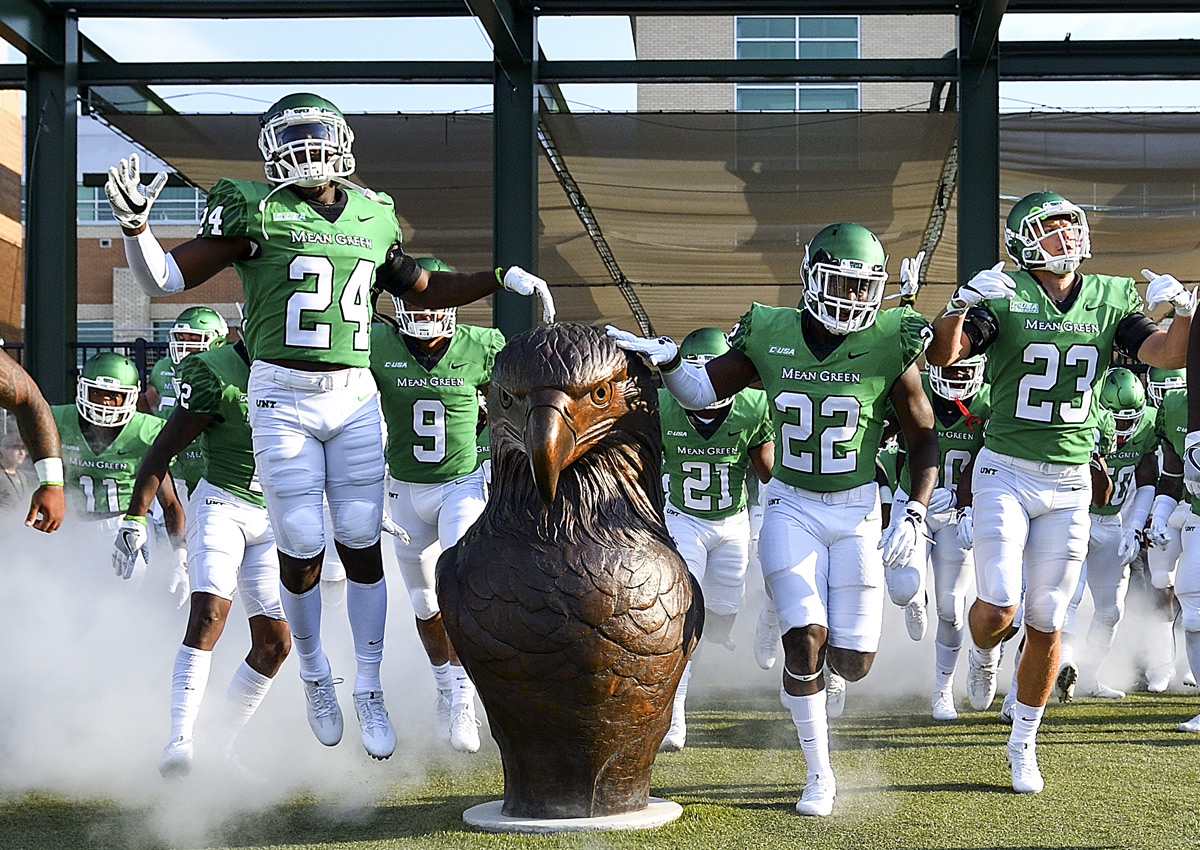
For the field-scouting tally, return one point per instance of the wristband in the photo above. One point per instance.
(49, 471)
(500, 277)
(135, 518)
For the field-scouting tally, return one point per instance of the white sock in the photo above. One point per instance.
(1066, 651)
(812, 728)
(1016, 667)
(944, 664)
(1160, 644)
(443, 677)
(987, 657)
(188, 681)
(462, 689)
(681, 691)
(1026, 720)
(366, 605)
(303, 612)
(246, 691)
(1191, 641)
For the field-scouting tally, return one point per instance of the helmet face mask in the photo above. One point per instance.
(421, 323)
(1122, 394)
(844, 275)
(702, 345)
(960, 380)
(196, 329)
(1161, 381)
(1046, 231)
(305, 140)
(112, 377)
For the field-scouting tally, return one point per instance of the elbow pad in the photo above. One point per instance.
(153, 270)
(690, 385)
(399, 272)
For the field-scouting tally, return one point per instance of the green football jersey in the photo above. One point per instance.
(213, 383)
(707, 476)
(1172, 428)
(1122, 459)
(959, 440)
(432, 414)
(308, 284)
(162, 378)
(102, 483)
(1045, 364)
(828, 413)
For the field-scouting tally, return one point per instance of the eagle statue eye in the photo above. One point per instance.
(506, 399)
(602, 395)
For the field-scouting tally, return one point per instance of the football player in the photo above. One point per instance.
(39, 435)
(707, 456)
(1049, 334)
(1116, 530)
(230, 548)
(309, 245)
(430, 370)
(829, 367)
(960, 401)
(104, 438)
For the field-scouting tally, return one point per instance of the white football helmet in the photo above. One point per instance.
(958, 380)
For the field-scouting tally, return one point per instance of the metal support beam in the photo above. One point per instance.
(748, 70)
(515, 186)
(32, 27)
(500, 19)
(979, 161)
(1159, 59)
(201, 73)
(987, 15)
(50, 247)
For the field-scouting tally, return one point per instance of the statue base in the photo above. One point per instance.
(488, 817)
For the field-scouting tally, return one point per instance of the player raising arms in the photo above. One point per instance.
(829, 367)
(308, 246)
(1049, 334)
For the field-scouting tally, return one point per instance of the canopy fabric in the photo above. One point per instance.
(706, 212)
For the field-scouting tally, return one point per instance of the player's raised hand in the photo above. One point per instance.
(129, 199)
(517, 280)
(988, 285)
(658, 351)
(1163, 288)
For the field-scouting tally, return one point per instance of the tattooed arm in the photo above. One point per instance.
(19, 394)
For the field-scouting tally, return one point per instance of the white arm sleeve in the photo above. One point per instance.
(1143, 500)
(690, 385)
(154, 270)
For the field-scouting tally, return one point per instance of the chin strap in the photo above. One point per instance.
(340, 181)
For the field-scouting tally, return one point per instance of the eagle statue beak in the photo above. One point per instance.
(549, 438)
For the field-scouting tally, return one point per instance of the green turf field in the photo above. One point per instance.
(1117, 775)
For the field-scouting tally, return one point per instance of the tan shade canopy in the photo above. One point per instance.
(706, 212)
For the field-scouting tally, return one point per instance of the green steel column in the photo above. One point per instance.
(978, 165)
(52, 99)
(515, 188)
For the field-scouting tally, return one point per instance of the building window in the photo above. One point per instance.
(98, 330)
(160, 329)
(176, 205)
(796, 37)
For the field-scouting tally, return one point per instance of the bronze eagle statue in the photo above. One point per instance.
(567, 601)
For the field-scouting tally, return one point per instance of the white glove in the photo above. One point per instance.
(1164, 287)
(131, 539)
(1158, 533)
(656, 351)
(129, 199)
(941, 500)
(965, 527)
(910, 276)
(1191, 462)
(900, 538)
(989, 284)
(178, 584)
(395, 530)
(1129, 547)
(517, 280)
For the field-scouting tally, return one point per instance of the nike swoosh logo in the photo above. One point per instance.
(374, 642)
(457, 365)
(856, 354)
(126, 451)
(733, 433)
(1091, 307)
(365, 217)
(365, 397)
